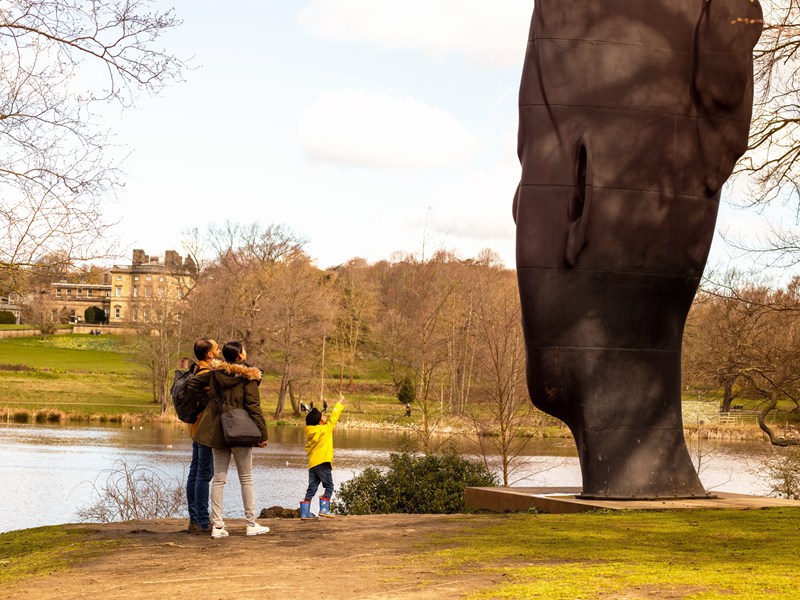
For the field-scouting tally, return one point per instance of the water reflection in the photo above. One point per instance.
(49, 470)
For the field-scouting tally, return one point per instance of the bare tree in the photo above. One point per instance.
(134, 492)
(782, 468)
(357, 300)
(298, 309)
(720, 339)
(777, 376)
(750, 335)
(505, 410)
(60, 61)
(414, 300)
(41, 312)
(772, 159)
(460, 328)
(157, 320)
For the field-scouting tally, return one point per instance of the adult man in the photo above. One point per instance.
(201, 470)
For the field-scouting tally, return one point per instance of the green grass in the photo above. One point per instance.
(86, 353)
(108, 393)
(698, 555)
(43, 550)
(76, 374)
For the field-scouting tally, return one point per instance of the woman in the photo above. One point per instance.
(233, 384)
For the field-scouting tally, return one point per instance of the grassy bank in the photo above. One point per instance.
(78, 375)
(96, 378)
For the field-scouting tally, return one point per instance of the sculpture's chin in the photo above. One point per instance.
(623, 408)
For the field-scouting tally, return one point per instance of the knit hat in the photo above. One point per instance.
(313, 417)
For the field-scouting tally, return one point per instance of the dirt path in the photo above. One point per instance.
(343, 558)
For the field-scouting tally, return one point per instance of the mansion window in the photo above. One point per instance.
(136, 291)
(118, 291)
(117, 312)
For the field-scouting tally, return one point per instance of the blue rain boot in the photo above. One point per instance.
(325, 508)
(305, 511)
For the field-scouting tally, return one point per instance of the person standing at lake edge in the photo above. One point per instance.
(232, 384)
(201, 469)
(319, 447)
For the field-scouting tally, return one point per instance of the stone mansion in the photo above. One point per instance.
(130, 292)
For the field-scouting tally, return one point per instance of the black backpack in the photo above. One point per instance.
(185, 406)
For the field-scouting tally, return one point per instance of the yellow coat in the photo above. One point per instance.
(319, 439)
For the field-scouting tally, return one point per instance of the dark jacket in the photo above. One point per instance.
(230, 385)
(197, 388)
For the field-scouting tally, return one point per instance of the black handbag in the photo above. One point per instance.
(239, 429)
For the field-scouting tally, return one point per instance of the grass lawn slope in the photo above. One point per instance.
(74, 374)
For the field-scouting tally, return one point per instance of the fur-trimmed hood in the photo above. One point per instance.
(230, 374)
(230, 386)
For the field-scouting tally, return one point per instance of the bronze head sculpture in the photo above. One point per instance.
(632, 115)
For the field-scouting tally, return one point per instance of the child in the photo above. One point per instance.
(319, 447)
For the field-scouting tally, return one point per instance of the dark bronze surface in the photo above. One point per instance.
(632, 114)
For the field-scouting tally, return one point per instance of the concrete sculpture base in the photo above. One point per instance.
(567, 500)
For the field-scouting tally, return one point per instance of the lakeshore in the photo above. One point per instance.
(84, 379)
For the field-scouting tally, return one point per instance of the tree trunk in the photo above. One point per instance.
(285, 381)
(727, 398)
(773, 439)
(281, 398)
(295, 403)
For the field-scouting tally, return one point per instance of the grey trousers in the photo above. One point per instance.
(243, 457)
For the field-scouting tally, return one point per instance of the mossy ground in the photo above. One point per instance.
(696, 555)
(43, 550)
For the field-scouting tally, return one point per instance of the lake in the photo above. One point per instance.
(50, 471)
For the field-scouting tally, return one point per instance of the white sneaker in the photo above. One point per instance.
(219, 532)
(257, 529)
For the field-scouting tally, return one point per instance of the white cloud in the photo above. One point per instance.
(368, 128)
(492, 33)
(469, 213)
(478, 206)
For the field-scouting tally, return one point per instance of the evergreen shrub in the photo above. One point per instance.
(406, 394)
(94, 314)
(7, 318)
(430, 483)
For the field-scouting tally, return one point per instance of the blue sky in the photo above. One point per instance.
(366, 126)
